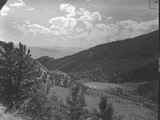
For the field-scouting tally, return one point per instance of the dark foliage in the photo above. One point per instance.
(149, 90)
(113, 60)
(40, 107)
(17, 74)
(45, 59)
(106, 110)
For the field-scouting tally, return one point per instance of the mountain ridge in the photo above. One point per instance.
(109, 60)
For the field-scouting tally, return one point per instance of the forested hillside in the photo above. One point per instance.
(133, 59)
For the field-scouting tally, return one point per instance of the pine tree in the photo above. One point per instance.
(25, 72)
(7, 72)
(17, 74)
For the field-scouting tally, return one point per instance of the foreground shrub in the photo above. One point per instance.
(106, 110)
(38, 107)
(17, 74)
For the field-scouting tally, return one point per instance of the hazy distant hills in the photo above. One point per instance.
(128, 59)
(52, 52)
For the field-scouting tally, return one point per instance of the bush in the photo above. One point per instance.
(39, 107)
(106, 110)
(17, 74)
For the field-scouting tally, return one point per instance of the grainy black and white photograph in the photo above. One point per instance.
(79, 60)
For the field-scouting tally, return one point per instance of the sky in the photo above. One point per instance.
(76, 23)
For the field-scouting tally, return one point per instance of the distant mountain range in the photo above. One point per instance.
(52, 51)
(132, 59)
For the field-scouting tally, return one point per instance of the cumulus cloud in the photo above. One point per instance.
(58, 27)
(67, 24)
(63, 23)
(131, 28)
(80, 23)
(21, 4)
(70, 9)
(33, 28)
(109, 32)
(127, 29)
(4, 11)
(18, 3)
(85, 15)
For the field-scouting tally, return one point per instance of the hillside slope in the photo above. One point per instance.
(112, 60)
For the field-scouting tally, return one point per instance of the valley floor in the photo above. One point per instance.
(126, 108)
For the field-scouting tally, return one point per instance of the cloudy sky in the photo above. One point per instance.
(75, 23)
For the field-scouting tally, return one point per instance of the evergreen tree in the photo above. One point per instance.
(25, 72)
(17, 74)
(7, 72)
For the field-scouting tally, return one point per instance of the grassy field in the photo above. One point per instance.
(128, 109)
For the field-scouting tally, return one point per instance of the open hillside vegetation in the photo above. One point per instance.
(26, 90)
(114, 81)
(131, 60)
(55, 95)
